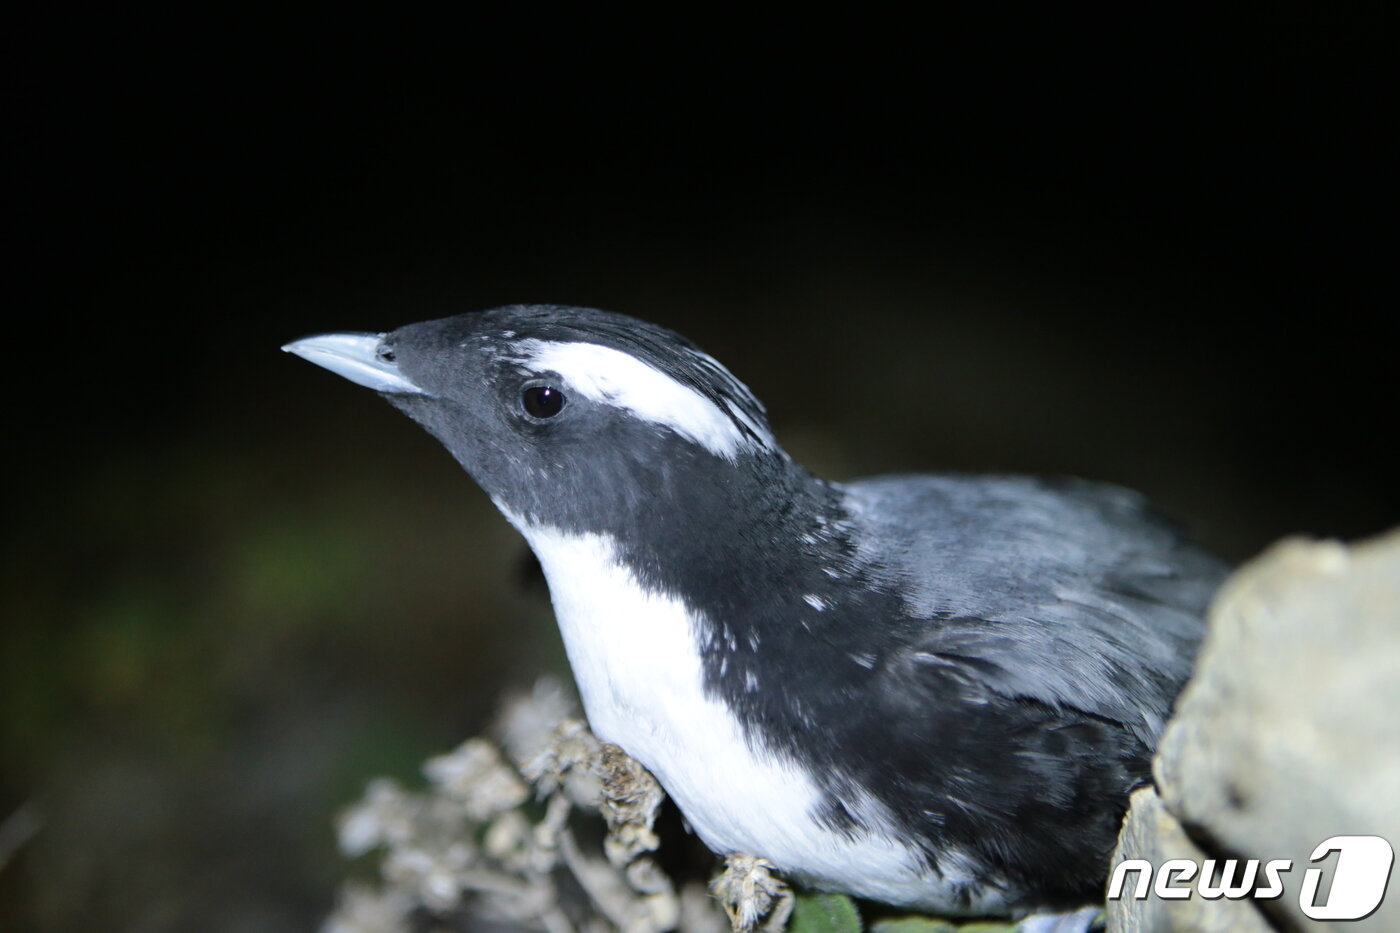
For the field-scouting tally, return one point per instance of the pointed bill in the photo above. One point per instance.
(356, 357)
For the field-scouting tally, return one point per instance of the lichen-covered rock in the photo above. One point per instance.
(493, 840)
(1152, 834)
(1289, 732)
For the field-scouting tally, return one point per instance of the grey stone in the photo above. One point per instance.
(1289, 732)
(1151, 833)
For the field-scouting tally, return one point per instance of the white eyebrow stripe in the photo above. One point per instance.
(616, 378)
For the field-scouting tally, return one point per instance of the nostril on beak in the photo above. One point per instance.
(365, 359)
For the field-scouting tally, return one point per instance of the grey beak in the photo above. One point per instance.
(357, 358)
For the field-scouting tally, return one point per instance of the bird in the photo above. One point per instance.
(933, 691)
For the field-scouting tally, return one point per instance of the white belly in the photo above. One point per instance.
(636, 660)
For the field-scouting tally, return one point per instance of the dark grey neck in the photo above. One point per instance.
(765, 556)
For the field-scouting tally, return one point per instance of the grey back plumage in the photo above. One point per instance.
(1066, 592)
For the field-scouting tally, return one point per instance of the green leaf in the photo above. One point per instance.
(824, 913)
(913, 925)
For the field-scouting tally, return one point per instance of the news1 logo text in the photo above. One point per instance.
(1359, 874)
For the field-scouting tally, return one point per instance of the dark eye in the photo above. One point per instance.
(542, 401)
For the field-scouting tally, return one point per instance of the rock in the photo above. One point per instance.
(1151, 833)
(1289, 732)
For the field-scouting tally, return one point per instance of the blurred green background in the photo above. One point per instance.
(237, 587)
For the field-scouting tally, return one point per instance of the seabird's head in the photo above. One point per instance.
(561, 414)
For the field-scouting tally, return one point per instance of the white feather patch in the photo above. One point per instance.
(636, 658)
(620, 379)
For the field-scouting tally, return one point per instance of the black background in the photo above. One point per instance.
(1160, 253)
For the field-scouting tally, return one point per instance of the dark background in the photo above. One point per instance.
(1156, 253)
